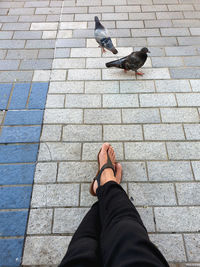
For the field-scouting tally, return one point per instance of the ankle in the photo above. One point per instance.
(107, 176)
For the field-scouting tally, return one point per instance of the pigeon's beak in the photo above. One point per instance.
(114, 51)
(148, 51)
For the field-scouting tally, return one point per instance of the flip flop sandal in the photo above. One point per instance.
(98, 175)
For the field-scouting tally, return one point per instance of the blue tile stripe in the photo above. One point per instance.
(20, 131)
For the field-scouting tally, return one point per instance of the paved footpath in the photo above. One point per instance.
(48, 151)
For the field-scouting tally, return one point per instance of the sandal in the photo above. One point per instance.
(98, 175)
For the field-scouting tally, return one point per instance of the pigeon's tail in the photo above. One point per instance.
(115, 63)
(98, 24)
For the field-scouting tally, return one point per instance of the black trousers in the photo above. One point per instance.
(112, 235)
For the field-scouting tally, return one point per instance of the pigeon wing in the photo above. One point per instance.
(132, 62)
(100, 33)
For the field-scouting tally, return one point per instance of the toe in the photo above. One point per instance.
(118, 175)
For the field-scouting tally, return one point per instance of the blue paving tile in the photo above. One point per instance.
(18, 153)
(19, 96)
(38, 96)
(11, 252)
(24, 117)
(13, 223)
(15, 197)
(16, 174)
(20, 134)
(5, 90)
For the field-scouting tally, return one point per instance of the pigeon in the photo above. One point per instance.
(102, 37)
(133, 62)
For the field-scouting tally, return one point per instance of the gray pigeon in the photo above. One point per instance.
(133, 62)
(102, 37)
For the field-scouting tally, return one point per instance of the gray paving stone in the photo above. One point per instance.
(41, 249)
(137, 2)
(71, 10)
(169, 15)
(188, 40)
(101, 87)
(9, 44)
(122, 132)
(9, 18)
(192, 99)
(33, 18)
(90, 150)
(113, 2)
(196, 169)
(120, 100)
(192, 243)
(157, 100)
(192, 131)
(183, 150)
(2, 54)
(145, 151)
(85, 52)
(76, 171)
(83, 101)
(40, 221)
(131, 42)
(55, 101)
(86, 17)
(188, 193)
(167, 62)
(169, 171)
(186, 23)
(175, 252)
(120, 32)
(134, 171)
(37, 4)
(44, 26)
(9, 64)
(195, 31)
(105, 116)
(65, 63)
(180, 7)
(174, 31)
(10, 76)
(161, 41)
(165, 1)
(73, 217)
(40, 44)
(189, 73)
(195, 85)
(172, 86)
(147, 218)
(86, 199)
(21, 11)
(56, 18)
(141, 16)
(129, 24)
(66, 87)
(102, 9)
(153, 8)
(51, 133)
(127, 9)
(59, 151)
(177, 219)
(84, 74)
(157, 23)
(50, 10)
(27, 35)
(179, 115)
(6, 34)
(145, 32)
(16, 26)
(22, 54)
(46, 53)
(192, 61)
(45, 172)
(163, 132)
(107, 24)
(140, 115)
(55, 195)
(82, 133)
(34, 64)
(180, 51)
(137, 87)
(63, 116)
(62, 52)
(191, 14)
(146, 194)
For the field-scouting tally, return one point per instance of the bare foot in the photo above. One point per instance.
(108, 175)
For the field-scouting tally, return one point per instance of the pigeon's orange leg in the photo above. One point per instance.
(125, 71)
(103, 50)
(139, 73)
